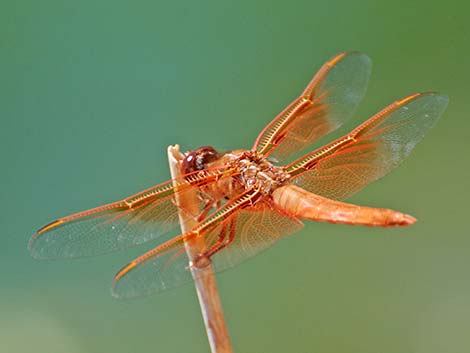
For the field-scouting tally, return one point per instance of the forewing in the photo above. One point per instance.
(370, 151)
(135, 220)
(255, 228)
(330, 99)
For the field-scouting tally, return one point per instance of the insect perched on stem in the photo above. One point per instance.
(247, 200)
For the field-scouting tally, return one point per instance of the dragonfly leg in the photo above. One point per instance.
(208, 205)
(202, 259)
(222, 242)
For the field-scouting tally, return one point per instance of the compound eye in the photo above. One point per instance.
(210, 156)
(206, 154)
(189, 163)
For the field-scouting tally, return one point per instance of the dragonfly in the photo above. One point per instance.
(249, 199)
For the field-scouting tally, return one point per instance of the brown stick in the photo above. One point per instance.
(204, 278)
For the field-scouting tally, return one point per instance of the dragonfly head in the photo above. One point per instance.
(199, 158)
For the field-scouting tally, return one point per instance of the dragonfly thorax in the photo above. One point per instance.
(256, 172)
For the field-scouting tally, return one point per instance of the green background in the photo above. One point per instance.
(91, 94)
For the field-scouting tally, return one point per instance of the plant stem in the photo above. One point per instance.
(204, 278)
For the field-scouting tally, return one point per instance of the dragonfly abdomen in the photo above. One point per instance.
(306, 205)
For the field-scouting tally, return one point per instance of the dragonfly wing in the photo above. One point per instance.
(135, 220)
(329, 100)
(370, 151)
(254, 228)
(164, 267)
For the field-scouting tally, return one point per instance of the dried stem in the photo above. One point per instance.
(204, 278)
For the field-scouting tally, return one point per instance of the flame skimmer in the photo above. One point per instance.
(248, 202)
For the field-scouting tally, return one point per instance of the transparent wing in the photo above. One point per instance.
(330, 99)
(132, 221)
(370, 151)
(244, 233)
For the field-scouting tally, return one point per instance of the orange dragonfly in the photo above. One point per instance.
(247, 200)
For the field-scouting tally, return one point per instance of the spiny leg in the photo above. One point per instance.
(208, 205)
(222, 243)
(204, 258)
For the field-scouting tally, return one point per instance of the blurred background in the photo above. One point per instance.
(92, 93)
